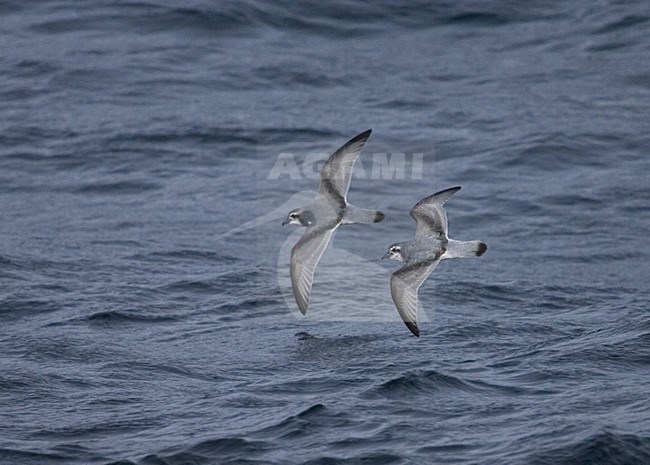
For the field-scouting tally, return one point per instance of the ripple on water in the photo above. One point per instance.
(603, 448)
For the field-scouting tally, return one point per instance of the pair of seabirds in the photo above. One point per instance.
(330, 209)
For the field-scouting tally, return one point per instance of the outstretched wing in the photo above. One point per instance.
(336, 173)
(430, 215)
(404, 285)
(304, 258)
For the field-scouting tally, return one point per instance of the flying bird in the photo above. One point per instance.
(324, 214)
(422, 253)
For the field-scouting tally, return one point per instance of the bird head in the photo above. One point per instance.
(394, 253)
(299, 217)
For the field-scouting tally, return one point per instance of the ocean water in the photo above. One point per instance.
(150, 150)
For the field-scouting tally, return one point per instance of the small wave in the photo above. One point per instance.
(11, 7)
(187, 136)
(603, 448)
(232, 445)
(401, 104)
(98, 428)
(641, 80)
(336, 19)
(10, 383)
(84, 78)
(244, 401)
(221, 450)
(335, 348)
(235, 311)
(479, 19)
(237, 279)
(70, 349)
(112, 318)
(511, 390)
(75, 452)
(201, 287)
(119, 187)
(28, 458)
(35, 68)
(151, 18)
(573, 200)
(504, 292)
(594, 348)
(375, 458)
(427, 382)
(221, 135)
(129, 369)
(554, 152)
(284, 76)
(417, 382)
(19, 134)
(189, 255)
(631, 21)
(316, 409)
(610, 45)
(309, 421)
(15, 309)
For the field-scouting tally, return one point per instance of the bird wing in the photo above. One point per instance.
(430, 215)
(304, 258)
(404, 285)
(336, 173)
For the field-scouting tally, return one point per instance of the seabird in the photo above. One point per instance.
(324, 214)
(424, 252)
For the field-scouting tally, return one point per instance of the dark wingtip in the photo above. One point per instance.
(453, 190)
(359, 137)
(482, 247)
(413, 328)
(302, 305)
(379, 216)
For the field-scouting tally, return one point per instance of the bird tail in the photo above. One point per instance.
(359, 215)
(464, 249)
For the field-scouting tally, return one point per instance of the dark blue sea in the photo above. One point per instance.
(149, 151)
